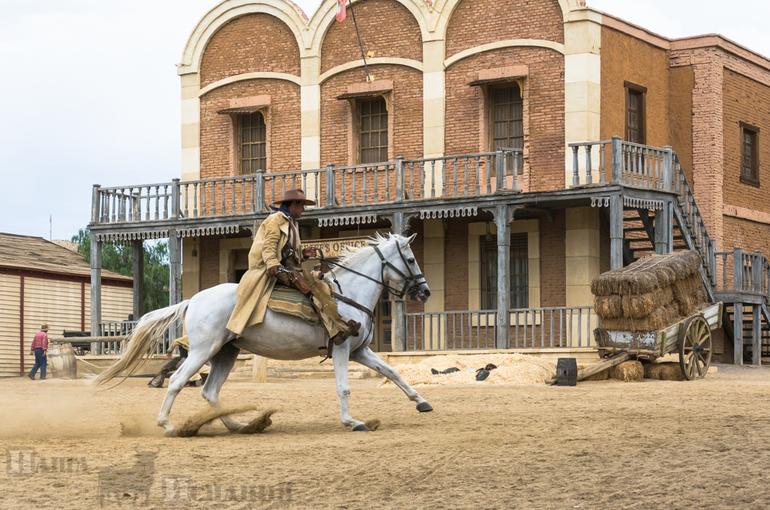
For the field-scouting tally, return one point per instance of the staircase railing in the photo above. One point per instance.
(743, 272)
(642, 166)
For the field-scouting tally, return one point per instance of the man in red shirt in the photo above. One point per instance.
(39, 348)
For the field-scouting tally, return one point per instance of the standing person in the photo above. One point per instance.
(39, 348)
(276, 249)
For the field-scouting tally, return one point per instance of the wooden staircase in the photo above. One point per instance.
(747, 328)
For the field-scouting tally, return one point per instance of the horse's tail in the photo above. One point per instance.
(143, 340)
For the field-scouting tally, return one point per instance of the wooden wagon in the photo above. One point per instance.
(690, 336)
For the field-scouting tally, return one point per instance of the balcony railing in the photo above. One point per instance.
(468, 175)
(559, 327)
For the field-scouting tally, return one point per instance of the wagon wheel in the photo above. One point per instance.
(695, 348)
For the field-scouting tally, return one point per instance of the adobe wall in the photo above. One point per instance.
(745, 100)
(626, 58)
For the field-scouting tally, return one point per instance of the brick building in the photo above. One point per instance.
(499, 117)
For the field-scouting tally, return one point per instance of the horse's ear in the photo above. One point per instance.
(410, 239)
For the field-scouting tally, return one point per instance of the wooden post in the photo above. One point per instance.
(617, 159)
(175, 198)
(738, 334)
(400, 182)
(138, 248)
(175, 275)
(663, 232)
(503, 217)
(756, 331)
(616, 232)
(96, 290)
(667, 169)
(500, 170)
(259, 369)
(330, 185)
(95, 204)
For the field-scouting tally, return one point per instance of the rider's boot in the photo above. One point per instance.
(351, 330)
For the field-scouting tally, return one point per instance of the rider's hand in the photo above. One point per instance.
(272, 270)
(308, 252)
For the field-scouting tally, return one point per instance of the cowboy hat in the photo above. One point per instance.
(294, 195)
(44, 327)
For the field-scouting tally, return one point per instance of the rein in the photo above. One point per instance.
(409, 281)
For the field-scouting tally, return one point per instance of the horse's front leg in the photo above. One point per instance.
(369, 359)
(340, 356)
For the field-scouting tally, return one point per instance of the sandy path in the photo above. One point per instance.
(603, 444)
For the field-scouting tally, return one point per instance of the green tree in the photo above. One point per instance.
(119, 258)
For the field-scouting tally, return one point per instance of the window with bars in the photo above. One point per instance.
(507, 121)
(372, 130)
(252, 143)
(749, 153)
(519, 283)
(636, 131)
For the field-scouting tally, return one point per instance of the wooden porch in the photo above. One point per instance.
(643, 190)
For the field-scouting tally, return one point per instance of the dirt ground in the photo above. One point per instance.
(599, 445)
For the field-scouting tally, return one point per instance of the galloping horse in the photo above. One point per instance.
(362, 275)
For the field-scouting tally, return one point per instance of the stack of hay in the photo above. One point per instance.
(651, 294)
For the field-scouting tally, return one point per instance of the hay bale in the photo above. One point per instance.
(628, 371)
(639, 306)
(690, 294)
(647, 274)
(664, 371)
(608, 307)
(661, 318)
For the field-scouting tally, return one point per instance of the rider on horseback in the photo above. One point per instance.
(276, 255)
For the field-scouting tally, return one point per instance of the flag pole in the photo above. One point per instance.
(360, 45)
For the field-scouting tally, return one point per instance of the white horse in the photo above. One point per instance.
(361, 274)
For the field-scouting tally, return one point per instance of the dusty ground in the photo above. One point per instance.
(603, 444)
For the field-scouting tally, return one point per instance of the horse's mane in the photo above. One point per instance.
(350, 255)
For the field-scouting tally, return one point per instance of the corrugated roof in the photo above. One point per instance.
(37, 254)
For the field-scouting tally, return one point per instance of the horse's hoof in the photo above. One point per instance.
(171, 432)
(424, 407)
(361, 428)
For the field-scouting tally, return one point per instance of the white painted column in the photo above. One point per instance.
(582, 87)
(191, 128)
(311, 120)
(434, 270)
(583, 256)
(433, 111)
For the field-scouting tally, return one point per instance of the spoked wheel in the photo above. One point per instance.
(695, 348)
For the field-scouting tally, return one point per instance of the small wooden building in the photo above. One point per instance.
(42, 282)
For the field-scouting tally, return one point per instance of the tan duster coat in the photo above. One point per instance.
(255, 286)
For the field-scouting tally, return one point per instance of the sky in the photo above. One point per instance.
(90, 94)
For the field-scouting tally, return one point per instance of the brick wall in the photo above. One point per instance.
(387, 28)
(405, 106)
(209, 261)
(217, 132)
(476, 22)
(553, 268)
(250, 43)
(456, 264)
(544, 121)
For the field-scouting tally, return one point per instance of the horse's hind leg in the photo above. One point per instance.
(176, 382)
(340, 356)
(221, 365)
(369, 359)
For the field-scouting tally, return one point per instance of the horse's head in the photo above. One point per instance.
(400, 265)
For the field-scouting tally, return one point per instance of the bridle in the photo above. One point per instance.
(410, 281)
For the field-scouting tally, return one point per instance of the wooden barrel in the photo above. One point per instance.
(61, 361)
(566, 372)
